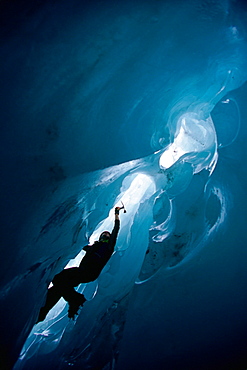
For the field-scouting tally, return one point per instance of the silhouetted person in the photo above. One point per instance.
(96, 257)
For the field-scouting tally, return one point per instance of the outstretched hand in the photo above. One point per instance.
(117, 209)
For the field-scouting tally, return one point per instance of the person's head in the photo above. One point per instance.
(105, 237)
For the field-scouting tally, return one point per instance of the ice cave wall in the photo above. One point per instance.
(86, 87)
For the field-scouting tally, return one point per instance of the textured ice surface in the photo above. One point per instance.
(145, 103)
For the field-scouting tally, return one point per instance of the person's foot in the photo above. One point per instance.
(75, 305)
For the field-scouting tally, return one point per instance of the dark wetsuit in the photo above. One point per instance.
(96, 257)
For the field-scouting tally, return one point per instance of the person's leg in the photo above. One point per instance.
(56, 292)
(67, 280)
(53, 296)
(74, 299)
(67, 277)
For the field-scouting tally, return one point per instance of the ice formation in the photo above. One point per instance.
(140, 103)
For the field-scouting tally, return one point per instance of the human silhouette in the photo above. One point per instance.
(91, 265)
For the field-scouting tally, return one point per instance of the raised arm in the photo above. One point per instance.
(117, 209)
(115, 230)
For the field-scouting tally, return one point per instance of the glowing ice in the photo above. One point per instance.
(139, 189)
(195, 135)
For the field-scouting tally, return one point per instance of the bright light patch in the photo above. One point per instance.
(171, 155)
(141, 188)
(194, 136)
(136, 191)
